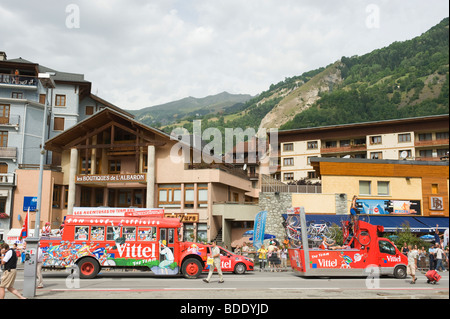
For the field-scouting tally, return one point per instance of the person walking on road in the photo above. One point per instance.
(9, 264)
(439, 257)
(412, 263)
(215, 254)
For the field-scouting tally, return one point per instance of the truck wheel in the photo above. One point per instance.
(400, 272)
(239, 269)
(192, 268)
(89, 268)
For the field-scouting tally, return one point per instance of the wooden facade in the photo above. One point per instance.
(434, 177)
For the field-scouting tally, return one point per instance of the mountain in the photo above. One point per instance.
(404, 79)
(188, 109)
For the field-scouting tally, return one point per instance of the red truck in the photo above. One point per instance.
(364, 251)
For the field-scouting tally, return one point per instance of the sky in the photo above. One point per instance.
(142, 53)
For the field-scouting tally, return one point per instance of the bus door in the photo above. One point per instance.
(166, 243)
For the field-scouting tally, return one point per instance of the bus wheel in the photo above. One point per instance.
(400, 272)
(239, 269)
(89, 268)
(192, 268)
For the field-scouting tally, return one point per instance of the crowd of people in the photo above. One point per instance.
(271, 258)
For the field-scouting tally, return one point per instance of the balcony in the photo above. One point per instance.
(428, 143)
(18, 81)
(10, 121)
(8, 153)
(344, 149)
(7, 179)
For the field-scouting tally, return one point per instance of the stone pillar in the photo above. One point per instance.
(275, 204)
(72, 185)
(151, 176)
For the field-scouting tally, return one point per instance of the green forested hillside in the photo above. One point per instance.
(405, 79)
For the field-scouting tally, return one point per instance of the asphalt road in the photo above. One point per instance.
(253, 285)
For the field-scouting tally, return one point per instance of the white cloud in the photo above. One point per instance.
(138, 53)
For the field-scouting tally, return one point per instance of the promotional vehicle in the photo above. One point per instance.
(134, 238)
(364, 253)
(230, 262)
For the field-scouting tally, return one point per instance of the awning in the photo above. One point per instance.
(394, 223)
(431, 222)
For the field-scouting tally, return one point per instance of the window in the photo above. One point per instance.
(89, 110)
(202, 195)
(114, 167)
(81, 232)
(386, 247)
(112, 232)
(129, 233)
(58, 124)
(3, 139)
(85, 197)
(383, 188)
(375, 140)
(434, 188)
(288, 147)
(442, 152)
(17, 95)
(442, 136)
(425, 137)
(42, 98)
(376, 155)
(402, 138)
(330, 144)
(406, 154)
(312, 174)
(169, 196)
(288, 162)
(4, 113)
(57, 189)
(313, 145)
(97, 233)
(60, 100)
(288, 176)
(364, 187)
(147, 233)
(426, 153)
(344, 143)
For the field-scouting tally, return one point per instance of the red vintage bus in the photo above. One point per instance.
(143, 239)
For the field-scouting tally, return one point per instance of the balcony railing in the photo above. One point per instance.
(8, 152)
(439, 142)
(344, 149)
(23, 80)
(7, 179)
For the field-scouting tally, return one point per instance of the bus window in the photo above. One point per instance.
(163, 234)
(171, 236)
(112, 232)
(97, 233)
(147, 233)
(81, 232)
(129, 233)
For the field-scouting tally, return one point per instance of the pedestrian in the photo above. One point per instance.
(46, 230)
(215, 254)
(431, 252)
(272, 255)
(262, 258)
(439, 257)
(422, 264)
(412, 264)
(244, 250)
(284, 254)
(9, 264)
(405, 249)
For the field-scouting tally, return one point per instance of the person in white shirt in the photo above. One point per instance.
(412, 263)
(215, 253)
(439, 255)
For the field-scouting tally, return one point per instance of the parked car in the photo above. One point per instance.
(231, 262)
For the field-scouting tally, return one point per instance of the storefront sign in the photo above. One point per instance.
(436, 203)
(126, 212)
(111, 178)
(184, 218)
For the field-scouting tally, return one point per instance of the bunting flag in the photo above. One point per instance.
(24, 232)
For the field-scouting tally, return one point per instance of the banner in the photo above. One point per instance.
(388, 207)
(24, 231)
(259, 229)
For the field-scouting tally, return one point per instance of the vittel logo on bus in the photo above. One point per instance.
(134, 251)
(394, 259)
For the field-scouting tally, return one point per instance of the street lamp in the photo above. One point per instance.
(30, 268)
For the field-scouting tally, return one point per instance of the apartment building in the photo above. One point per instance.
(420, 139)
(24, 95)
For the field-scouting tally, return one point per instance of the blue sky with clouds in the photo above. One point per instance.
(140, 53)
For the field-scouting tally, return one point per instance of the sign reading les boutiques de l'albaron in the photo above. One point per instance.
(111, 178)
